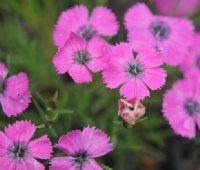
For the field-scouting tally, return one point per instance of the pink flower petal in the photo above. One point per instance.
(154, 78)
(188, 64)
(7, 163)
(92, 165)
(196, 41)
(16, 85)
(5, 143)
(148, 55)
(190, 61)
(185, 127)
(20, 131)
(104, 21)
(193, 74)
(134, 88)
(63, 59)
(14, 107)
(174, 110)
(141, 35)
(62, 163)
(97, 47)
(185, 88)
(138, 16)
(184, 36)
(71, 143)
(40, 148)
(174, 49)
(3, 71)
(184, 7)
(173, 53)
(22, 165)
(97, 64)
(96, 142)
(33, 164)
(138, 20)
(121, 52)
(69, 21)
(80, 73)
(114, 75)
(173, 102)
(181, 123)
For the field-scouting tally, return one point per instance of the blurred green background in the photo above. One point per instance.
(59, 105)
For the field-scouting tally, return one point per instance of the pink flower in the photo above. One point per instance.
(76, 19)
(181, 7)
(18, 152)
(79, 57)
(191, 64)
(14, 93)
(81, 147)
(134, 68)
(165, 34)
(181, 107)
(130, 111)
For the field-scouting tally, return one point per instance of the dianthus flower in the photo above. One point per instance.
(102, 22)
(170, 36)
(18, 152)
(134, 68)
(81, 147)
(79, 58)
(181, 107)
(14, 93)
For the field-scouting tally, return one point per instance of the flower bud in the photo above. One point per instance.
(130, 111)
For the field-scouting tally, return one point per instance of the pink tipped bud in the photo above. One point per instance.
(130, 111)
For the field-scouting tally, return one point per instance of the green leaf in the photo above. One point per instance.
(105, 167)
(39, 109)
(141, 119)
(119, 123)
(41, 126)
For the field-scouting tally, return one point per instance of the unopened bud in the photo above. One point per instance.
(130, 111)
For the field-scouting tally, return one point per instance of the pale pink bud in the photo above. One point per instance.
(130, 111)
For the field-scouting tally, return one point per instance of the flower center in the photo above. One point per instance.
(80, 159)
(81, 57)
(87, 32)
(135, 68)
(198, 62)
(192, 107)
(19, 151)
(160, 30)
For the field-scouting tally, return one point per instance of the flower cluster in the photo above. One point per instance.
(181, 105)
(18, 151)
(134, 66)
(127, 64)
